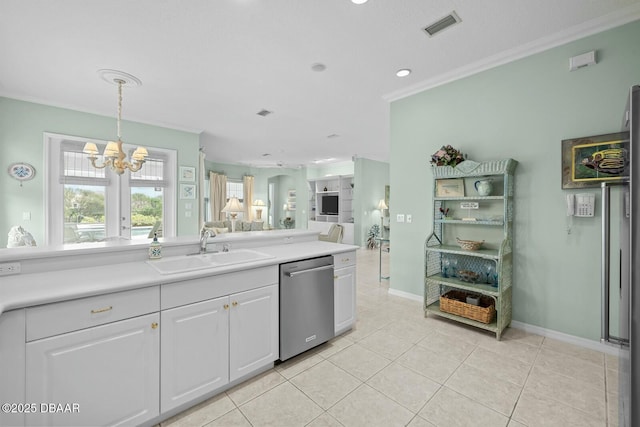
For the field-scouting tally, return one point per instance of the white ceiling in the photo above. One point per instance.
(209, 66)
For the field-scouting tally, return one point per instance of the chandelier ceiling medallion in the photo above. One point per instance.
(114, 156)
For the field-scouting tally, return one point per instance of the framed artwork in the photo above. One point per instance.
(187, 173)
(590, 160)
(187, 191)
(450, 187)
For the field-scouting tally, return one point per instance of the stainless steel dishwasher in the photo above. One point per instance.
(306, 305)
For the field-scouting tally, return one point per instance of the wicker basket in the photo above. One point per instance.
(469, 245)
(454, 302)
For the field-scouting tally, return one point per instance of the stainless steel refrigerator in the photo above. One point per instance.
(621, 270)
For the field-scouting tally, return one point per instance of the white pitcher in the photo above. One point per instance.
(483, 187)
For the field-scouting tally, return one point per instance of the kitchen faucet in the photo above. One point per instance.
(204, 235)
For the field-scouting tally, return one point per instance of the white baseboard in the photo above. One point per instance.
(406, 295)
(538, 330)
(561, 336)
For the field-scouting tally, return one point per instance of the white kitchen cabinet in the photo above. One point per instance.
(195, 351)
(12, 366)
(254, 330)
(104, 375)
(210, 339)
(344, 291)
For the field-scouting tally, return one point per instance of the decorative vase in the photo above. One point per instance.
(483, 187)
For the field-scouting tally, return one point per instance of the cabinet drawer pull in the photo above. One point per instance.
(154, 325)
(345, 259)
(226, 306)
(101, 310)
(235, 303)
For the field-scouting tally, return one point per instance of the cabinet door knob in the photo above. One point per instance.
(235, 303)
(335, 277)
(154, 325)
(101, 310)
(226, 306)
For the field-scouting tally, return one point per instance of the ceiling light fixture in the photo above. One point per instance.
(404, 72)
(114, 156)
(264, 113)
(359, 1)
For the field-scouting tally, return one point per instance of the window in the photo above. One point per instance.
(234, 188)
(85, 204)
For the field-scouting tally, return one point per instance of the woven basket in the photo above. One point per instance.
(454, 302)
(469, 245)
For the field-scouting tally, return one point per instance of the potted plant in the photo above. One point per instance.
(447, 156)
(374, 231)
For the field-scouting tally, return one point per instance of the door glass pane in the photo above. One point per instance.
(84, 213)
(146, 212)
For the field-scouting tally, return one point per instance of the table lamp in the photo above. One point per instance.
(232, 207)
(258, 204)
(382, 206)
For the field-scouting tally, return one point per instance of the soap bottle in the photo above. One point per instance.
(155, 249)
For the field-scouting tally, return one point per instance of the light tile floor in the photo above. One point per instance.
(398, 368)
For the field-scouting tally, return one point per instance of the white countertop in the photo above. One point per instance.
(25, 290)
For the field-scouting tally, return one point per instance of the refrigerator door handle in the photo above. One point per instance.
(604, 280)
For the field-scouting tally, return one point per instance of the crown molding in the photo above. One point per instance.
(594, 26)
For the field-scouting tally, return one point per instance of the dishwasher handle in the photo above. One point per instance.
(310, 270)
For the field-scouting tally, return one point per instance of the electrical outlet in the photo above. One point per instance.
(409, 218)
(9, 268)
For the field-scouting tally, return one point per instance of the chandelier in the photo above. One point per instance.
(114, 156)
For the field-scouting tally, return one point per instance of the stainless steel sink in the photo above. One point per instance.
(181, 264)
(237, 256)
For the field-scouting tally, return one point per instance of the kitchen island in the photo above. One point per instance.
(105, 321)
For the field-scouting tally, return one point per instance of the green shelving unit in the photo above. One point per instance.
(493, 223)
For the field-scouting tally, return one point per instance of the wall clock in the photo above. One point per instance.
(21, 172)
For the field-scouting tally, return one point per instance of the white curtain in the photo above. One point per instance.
(248, 197)
(218, 195)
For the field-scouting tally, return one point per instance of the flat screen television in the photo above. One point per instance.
(329, 205)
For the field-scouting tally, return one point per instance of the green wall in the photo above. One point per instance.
(521, 110)
(22, 125)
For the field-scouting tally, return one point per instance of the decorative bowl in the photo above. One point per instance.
(469, 245)
(468, 276)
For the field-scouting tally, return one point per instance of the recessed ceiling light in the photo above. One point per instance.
(318, 67)
(359, 1)
(403, 72)
(264, 113)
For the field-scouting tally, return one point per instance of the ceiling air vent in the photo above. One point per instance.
(446, 22)
(264, 113)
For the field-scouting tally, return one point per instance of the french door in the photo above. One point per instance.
(85, 204)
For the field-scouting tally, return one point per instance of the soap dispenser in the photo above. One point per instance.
(155, 249)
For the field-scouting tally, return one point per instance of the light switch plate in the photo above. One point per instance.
(400, 218)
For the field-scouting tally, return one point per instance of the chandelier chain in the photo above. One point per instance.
(120, 83)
